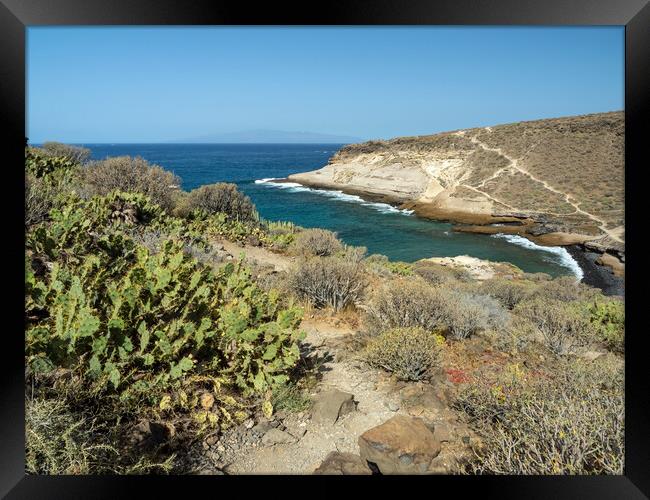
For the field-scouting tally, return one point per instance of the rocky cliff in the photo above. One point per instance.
(557, 181)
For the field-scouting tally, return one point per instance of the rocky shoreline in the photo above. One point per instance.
(597, 274)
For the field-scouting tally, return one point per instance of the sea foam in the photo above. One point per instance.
(339, 195)
(564, 256)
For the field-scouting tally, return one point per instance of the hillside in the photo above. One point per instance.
(557, 181)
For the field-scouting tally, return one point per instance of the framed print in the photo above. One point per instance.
(370, 239)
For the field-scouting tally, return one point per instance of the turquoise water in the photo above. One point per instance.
(379, 227)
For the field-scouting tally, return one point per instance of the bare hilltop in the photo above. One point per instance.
(556, 181)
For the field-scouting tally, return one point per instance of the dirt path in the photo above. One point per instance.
(258, 255)
(378, 399)
(567, 197)
(304, 456)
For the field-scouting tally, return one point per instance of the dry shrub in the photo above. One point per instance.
(571, 424)
(39, 200)
(410, 353)
(59, 440)
(437, 274)
(467, 313)
(411, 303)
(316, 242)
(508, 292)
(59, 150)
(562, 327)
(134, 175)
(406, 303)
(564, 288)
(537, 277)
(220, 197)
(328, 281)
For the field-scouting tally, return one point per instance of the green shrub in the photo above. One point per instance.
(163, 317)
(131, 175)
(572, 423)
(400, 268)
(281, 234)
(82, 226)
(39, 164)
(561, 327)
(328, 281)
(290, 398)
(215, 198)
(221, 225)
(316, 242)
(410, 353)
(150, 329)
(608, 318)
(381, 265)
(48, 183)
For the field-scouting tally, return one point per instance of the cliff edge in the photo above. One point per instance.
(556, 181)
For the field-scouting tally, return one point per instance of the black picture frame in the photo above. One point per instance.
(16, 15)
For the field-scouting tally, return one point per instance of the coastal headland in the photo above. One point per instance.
(557, 182)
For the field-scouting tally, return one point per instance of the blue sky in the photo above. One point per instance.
(151, 84)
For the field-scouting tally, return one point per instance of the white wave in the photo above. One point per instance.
(264, 181)
(339, 195)
(563, 255)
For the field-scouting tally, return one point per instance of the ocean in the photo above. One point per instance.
(380, 228)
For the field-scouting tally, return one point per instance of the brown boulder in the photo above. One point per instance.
(401, 445)
(343, 464)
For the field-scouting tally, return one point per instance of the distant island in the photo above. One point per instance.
(264, 136)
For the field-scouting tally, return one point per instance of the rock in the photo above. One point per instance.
(262, 427)
(401, 445)
(439, 465)
(442, 432)
(343, 464)
(276, 436)
(331, 405)
(296, 429)
(249, 423)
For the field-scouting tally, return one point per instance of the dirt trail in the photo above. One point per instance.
(378, 398)
(304, 456)
(258, 255)
(567, 197)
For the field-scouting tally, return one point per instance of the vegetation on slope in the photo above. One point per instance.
(142, 339)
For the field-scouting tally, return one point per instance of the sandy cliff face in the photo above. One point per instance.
(557, 181)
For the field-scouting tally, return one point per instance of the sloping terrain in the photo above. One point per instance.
(562, 176)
